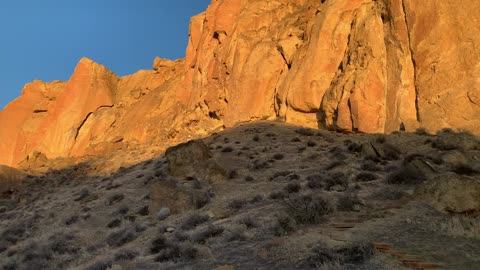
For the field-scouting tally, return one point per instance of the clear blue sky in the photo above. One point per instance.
(44, 39)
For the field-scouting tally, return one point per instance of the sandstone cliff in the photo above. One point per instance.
(354, 65)
(349, 65)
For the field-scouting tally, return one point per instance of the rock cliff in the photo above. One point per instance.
(372, 66)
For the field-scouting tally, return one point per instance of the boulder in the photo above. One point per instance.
(451, 193)
(193, 158)
(160, 63)
(11, 180)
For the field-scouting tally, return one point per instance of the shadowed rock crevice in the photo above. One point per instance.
(412, 54)
(86, 119)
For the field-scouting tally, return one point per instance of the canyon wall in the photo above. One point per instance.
(372, 66)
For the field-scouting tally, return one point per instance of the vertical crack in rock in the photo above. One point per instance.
(413, 61)
(342, 72)
(282, 53)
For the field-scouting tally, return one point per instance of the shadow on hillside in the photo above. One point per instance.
(234, 197)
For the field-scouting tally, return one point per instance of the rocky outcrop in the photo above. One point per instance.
(11, 180)
(193, 159)
(452, 193)
(361, 65)
(50, 116)
(22, 120)
(350, 65)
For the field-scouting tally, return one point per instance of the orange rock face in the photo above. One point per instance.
(353, 65)
(349, 65)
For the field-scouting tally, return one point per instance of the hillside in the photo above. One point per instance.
(258, 196)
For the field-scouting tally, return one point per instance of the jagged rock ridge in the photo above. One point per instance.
(351, 65)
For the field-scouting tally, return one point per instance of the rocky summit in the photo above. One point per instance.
(295, 134)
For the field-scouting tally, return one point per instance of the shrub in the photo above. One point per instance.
(256, 199)
(371, 166)
(337, 178)
(237, 204)
(82, 195)
(335, 164)
(193, 221)
(249, 178)
(35, 254)
(196, 184)
(71, 220)
(125, 255)
(260, 165)
(276, 195)
(443, 145)
(336, 150)
(200, 199)
(114, 223)
(174, 252)
(14, 233)
(356, 254)
(311, 143)
(62, 243)
(102, 264)
(159, 244)
(381, 139)
(421, 132)
(354, 147)
(391, 152)
(293, 188)
(347, 203)
(235, 234)
(11, 265)
(232, 174)
(256, 138)
(306, 209)
(315, 181)
(248, 221)
(227, 149)
(305, 131)
(201, 235)
(293, 176)
(320, 255)
(159, 174)
(388, 193)
(115, 198)
(406, 176)
(365, 177)
(279, 174)
(143, 211)
(181, 236)
(123, 210)
(278, 156)
(188, 251)
(296, 139)
(121, 237)
(284, 225)
(464, 169)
